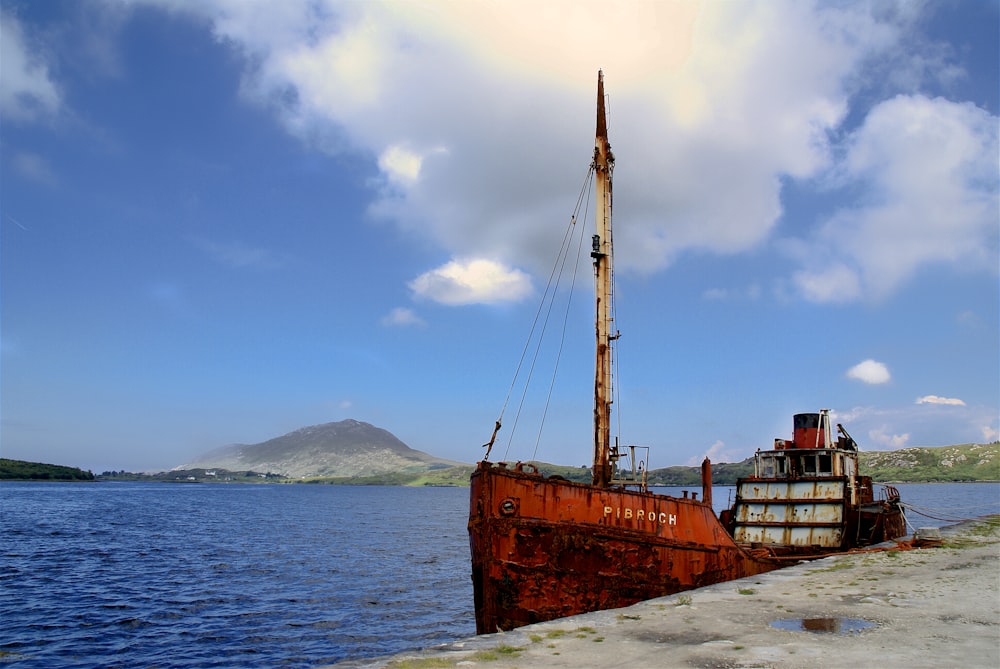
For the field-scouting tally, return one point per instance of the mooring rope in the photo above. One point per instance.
(921, 511)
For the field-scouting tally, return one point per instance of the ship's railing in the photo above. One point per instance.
(889, 493)
(633, 471)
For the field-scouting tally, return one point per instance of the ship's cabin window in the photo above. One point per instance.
(818, 464)
(771, 466)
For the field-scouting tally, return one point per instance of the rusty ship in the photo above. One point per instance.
(544, 547)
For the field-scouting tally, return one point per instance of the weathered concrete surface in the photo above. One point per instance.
(931, 607)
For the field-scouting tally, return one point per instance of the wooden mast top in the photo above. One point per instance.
(604, 162)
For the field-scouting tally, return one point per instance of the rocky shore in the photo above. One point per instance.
(926, 607)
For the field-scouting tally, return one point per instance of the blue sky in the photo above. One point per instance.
(222, 221)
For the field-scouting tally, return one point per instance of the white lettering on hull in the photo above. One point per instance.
(650, 515)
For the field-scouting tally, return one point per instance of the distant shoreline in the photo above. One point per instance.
(963, 463)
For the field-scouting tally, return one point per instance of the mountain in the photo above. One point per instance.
(349, 448)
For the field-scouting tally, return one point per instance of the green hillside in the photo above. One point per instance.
(19, 470)
(964, 462)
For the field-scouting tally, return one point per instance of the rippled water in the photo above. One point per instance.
(191, 575)
(175, 575)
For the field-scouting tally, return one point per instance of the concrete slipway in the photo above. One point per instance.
(929, 607)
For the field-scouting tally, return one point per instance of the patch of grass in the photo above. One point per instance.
(973, 536)
(598, 639)
(986, 528)
(746, 591)
(555, 634)
(535, 638)
(503, 650)
(582, 632)
(836, 566)
(683, 600)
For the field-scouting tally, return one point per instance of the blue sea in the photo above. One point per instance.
(212, 575)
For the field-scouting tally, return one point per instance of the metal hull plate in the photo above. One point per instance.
(545, 548)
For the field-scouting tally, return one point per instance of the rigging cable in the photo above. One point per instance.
(548, 296)
(562, 337)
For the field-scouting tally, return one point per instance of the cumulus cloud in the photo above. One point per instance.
(705, 99)
(400, 164)
(472, 281)
(402, 317)
(27, 91)
(927, 172)
(717, 452)
(881, 437)
(934, 399)
(836, 283)
(870, 371)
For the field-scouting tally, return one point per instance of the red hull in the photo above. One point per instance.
(547, 548)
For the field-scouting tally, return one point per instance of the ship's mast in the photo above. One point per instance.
(604, 163)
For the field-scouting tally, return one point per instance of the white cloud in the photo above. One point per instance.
(402, 317)
(717, 452)
(836, 283)
(934, 399)
(27, 92)
(927, 169)
(472, 281)
(732, 98)
(400, 164)
(870, 371)
(881, 437)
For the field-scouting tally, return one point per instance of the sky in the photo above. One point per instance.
(224, 220)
